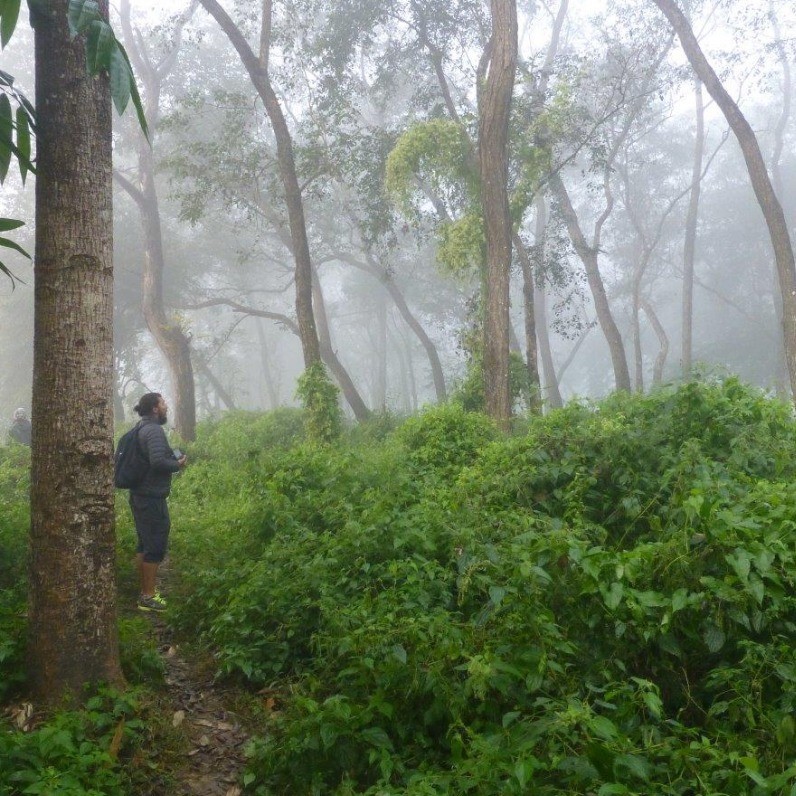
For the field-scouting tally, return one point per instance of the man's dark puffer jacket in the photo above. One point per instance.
(155, 446)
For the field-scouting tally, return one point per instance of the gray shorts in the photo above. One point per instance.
(152, 524)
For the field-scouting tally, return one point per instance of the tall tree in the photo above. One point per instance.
(257, 69)
(589, 256)
(493, 134)
(758, 174)
(689, 249)
(72, 609)
(172, 341)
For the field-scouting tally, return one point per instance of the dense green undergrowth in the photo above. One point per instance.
(602, 603)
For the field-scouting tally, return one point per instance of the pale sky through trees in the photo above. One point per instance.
(222, 211)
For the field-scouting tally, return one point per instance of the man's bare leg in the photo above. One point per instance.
(149, 571)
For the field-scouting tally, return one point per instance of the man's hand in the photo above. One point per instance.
(182, 461)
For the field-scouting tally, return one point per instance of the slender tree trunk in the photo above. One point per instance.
(403, 308)
(380, 392)
(776, 176)
(257, 69)
(690, 234)
(529, 317)
(72, 609)
(494, 110)
(663, 340)
(761, 183)
(638, 275)
(265, 361)
(218, 388)
(542, 328)
(588, 257)
(350, 392)
(169, 337)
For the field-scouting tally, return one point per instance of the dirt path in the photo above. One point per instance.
(214, 762)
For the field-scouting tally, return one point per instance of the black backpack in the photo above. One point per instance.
(130, 464)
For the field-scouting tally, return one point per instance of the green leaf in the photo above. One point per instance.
(741, 563)
(496, 595)
(23, 143)
(510, 718)
(328, 735)
(399, 652)
(8, 23)
(757, 589)
(612, 789)
(6, 130)
(7, 224)
(376, 736)
(10, 244)
(14, 279)
(603, 728)
(80, 14)
(121, 79)
(633, 764)
(614, 595)
(139, 107)
(99, 45)
(714, 637)
(679, 600)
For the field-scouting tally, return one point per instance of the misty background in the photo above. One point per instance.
(370, 91)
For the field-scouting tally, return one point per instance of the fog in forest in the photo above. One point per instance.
(625, 181)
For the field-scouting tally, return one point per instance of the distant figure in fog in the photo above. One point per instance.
(20, 428)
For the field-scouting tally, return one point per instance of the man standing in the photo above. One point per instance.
(148, 499)
(20, 429)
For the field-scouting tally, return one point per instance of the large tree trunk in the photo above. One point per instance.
(169, 337)
(588, 256)
(72, 611)
(690, 235)
(257, 68)
(493, 131)
(764, 191)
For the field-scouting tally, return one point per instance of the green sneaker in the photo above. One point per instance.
(156, 603)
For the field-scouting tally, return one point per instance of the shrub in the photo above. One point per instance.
(603, 604)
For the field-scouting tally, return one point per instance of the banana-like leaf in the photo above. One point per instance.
(7, 243)
(121, 80)
(7, 224)
(8, 21)
(6, 131)
(100, 42)
(23, 143)
(80, 14)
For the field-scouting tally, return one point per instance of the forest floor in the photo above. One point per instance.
(209, 733)
(214, 734)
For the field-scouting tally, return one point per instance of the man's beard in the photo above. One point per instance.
(162, 419)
